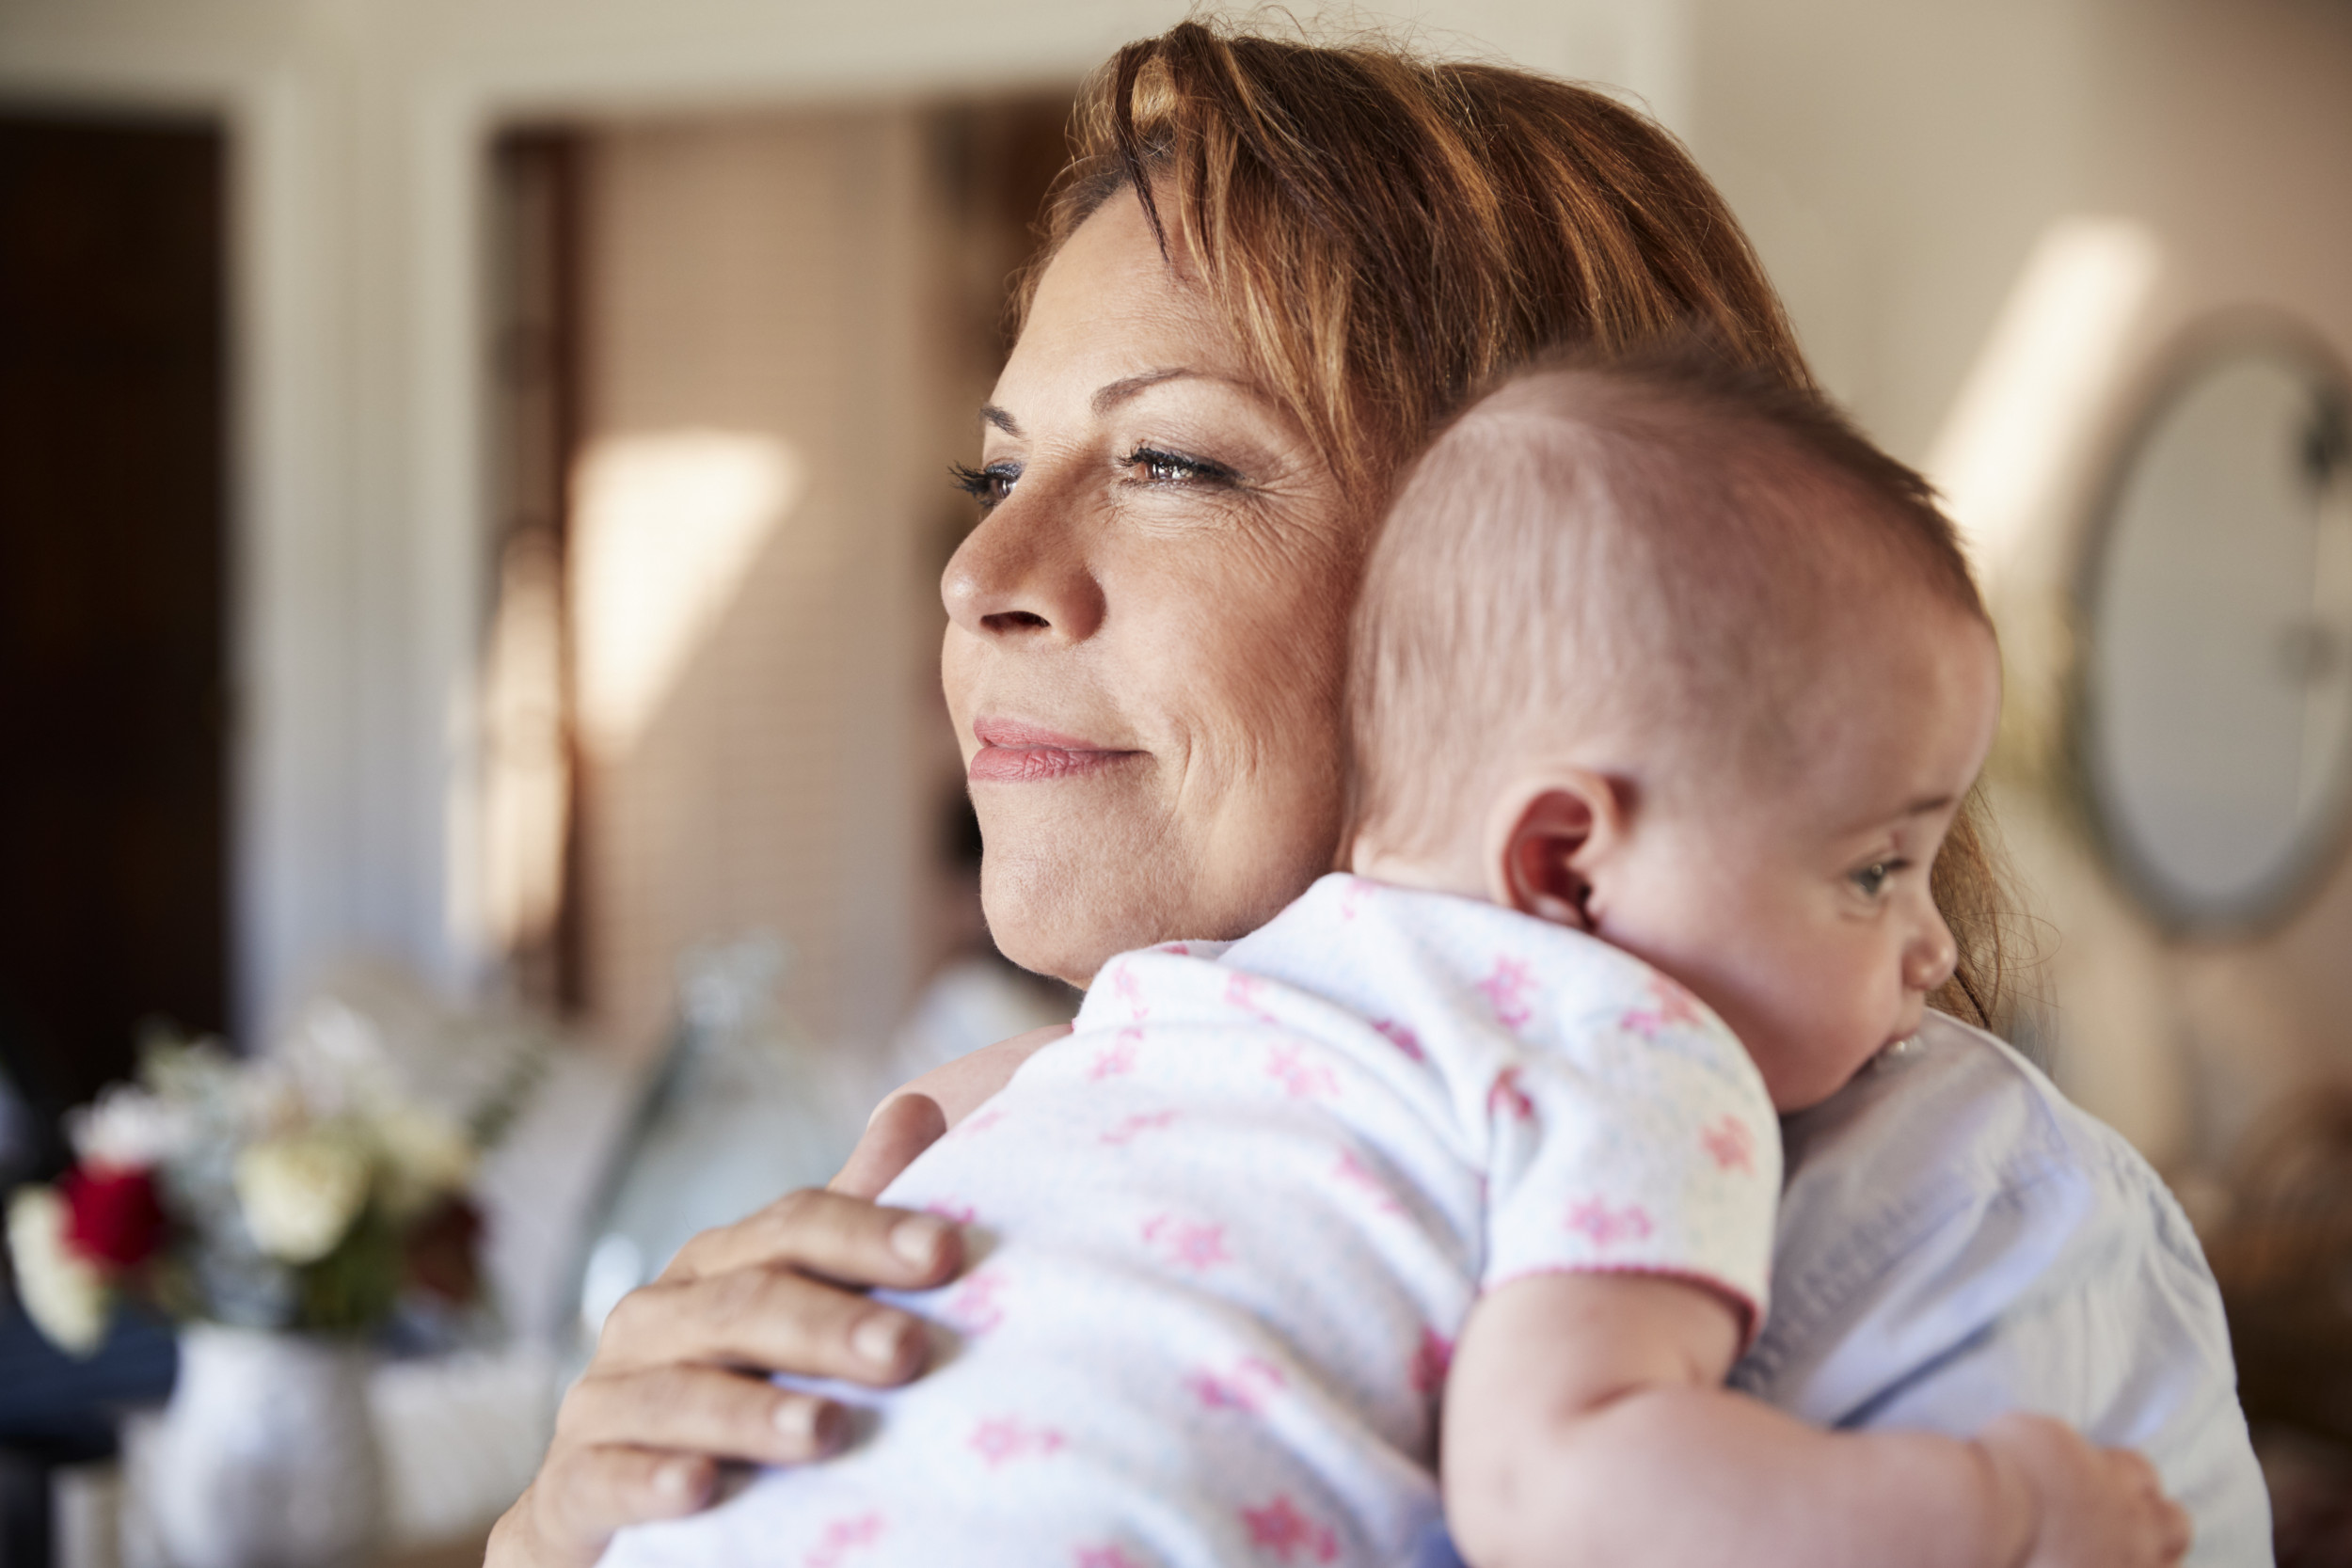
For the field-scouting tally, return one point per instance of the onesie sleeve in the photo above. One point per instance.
(1633, 1136)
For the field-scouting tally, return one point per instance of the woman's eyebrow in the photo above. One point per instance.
(1109, 397)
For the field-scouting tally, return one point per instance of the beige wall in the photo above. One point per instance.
(754, 285)
(1896, 159)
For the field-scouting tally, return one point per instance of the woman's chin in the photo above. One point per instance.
(1067, 921)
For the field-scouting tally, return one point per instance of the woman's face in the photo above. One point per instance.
(1148, 627)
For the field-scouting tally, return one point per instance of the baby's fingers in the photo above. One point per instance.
(2166, 1529)
(2178, 1532)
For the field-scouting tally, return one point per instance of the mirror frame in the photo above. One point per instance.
(2216, 339)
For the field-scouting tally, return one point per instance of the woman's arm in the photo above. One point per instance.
(678, 1382)
(1584, 1423)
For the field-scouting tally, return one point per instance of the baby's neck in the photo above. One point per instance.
(1456, 874)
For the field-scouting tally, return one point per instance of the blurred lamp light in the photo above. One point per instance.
(2045, 379)
(665, 526)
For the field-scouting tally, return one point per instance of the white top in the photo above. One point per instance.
(1238, 1218)
(1958, 1240)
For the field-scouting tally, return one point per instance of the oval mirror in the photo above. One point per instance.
(2216, 732)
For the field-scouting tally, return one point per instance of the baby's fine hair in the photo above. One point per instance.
(1664, 548)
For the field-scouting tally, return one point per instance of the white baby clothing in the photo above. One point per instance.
(1231, 1227)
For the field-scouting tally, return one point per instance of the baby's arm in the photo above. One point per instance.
(1585, 1421)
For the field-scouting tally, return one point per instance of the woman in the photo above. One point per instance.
(1270, 267)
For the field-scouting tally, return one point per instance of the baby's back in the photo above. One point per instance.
(1229, 1229)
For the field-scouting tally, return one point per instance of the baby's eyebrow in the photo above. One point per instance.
(1873, 826)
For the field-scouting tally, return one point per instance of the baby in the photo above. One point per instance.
(1667, 689)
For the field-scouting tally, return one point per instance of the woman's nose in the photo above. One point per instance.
(1023, 574)
(1931, 955)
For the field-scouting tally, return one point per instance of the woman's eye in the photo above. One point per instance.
(1155, 466)
(1872, 879)
(988, 486)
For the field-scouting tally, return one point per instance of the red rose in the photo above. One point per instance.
(112, 1216)
(441, 1249)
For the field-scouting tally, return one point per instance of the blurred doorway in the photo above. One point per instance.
(113, 704)
(734, 356)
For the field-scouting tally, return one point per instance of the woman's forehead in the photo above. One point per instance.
(1112, 318)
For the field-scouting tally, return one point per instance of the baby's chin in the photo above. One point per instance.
(1817, 1076)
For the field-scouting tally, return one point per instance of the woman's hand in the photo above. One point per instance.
(679, 1385)
(917, 1115)
(2089, 1507)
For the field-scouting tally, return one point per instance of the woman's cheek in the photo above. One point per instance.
(1281, 824)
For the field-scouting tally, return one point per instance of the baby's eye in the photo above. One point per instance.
(1874, 877)
(988, 486)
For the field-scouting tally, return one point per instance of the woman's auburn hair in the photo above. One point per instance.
(1388, 232)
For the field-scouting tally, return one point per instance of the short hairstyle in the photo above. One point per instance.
(1655, 549)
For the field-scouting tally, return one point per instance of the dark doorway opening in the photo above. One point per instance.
(113, 697)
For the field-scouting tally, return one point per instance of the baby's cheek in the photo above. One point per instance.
(1825, 1032)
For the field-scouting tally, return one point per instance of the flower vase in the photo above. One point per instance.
(266, 1455)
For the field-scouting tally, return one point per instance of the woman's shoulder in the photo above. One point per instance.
(1955, 1123)
(1953, 1181)
(1957, 1239)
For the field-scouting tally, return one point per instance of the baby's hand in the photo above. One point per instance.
(2085, 1506)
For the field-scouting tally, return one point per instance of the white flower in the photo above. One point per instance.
(428, 1156)
(63, 1293)
(300, 1194)
(129, 1129)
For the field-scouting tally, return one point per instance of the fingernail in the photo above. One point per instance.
(881, 1339)
(797, 1419)
(676, 1480)
(918, 1238)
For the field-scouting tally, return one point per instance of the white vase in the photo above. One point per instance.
(266, 1456)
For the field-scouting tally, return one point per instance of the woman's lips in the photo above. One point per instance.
(1014, 752)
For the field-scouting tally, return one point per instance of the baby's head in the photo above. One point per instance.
(1678, 658)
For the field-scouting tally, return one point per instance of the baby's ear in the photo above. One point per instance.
(1547, 835)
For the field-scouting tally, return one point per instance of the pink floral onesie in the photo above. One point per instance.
(1231, 1227)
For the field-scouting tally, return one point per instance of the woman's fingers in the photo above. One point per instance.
(583, 1495)
(641, 1437)
(832, 1234)
(904, 1126)
(704, 1410)
(919, 1115)
(642, 1434)
(771, 1319)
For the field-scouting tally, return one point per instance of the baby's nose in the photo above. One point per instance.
(1932, 956)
